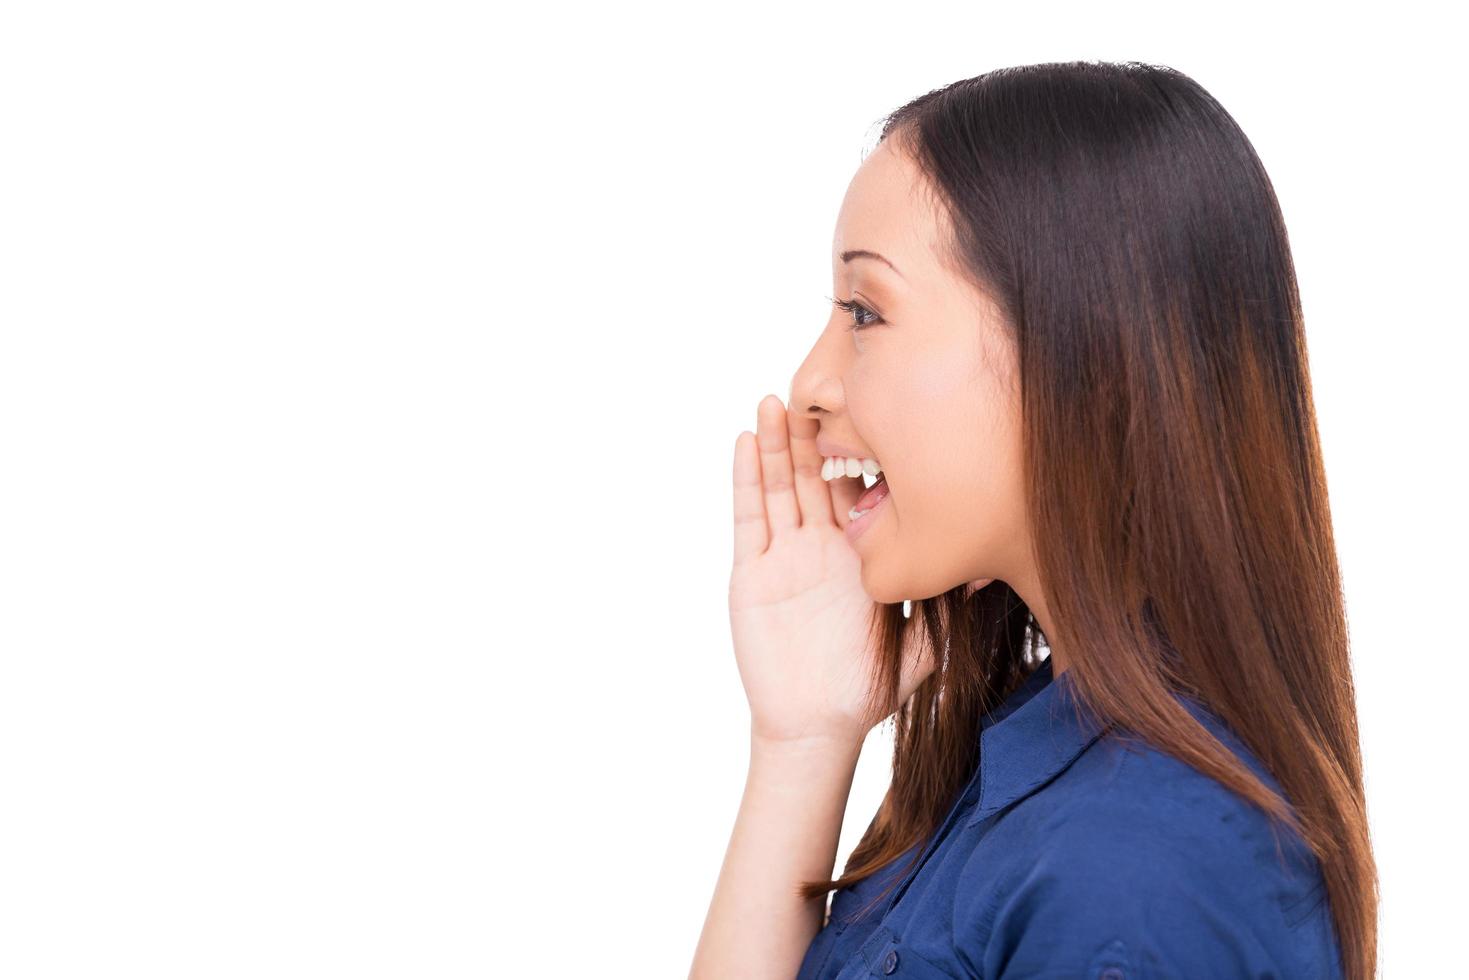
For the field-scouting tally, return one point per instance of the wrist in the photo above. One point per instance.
(817, 748)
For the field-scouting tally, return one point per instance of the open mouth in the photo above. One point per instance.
(871, 497)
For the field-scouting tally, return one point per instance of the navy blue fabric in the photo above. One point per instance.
(1073, 852)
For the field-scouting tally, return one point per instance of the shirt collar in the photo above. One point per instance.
(1030, 737)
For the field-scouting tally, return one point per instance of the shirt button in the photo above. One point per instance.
(890, 961)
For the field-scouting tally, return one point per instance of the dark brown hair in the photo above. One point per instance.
(1128, 232)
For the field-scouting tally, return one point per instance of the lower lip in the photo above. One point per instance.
(855, 528)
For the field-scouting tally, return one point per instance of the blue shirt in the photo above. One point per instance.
(1074, 853)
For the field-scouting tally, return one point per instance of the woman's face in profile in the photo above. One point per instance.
(925, 384)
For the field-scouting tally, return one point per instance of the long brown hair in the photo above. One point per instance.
(1129, 234)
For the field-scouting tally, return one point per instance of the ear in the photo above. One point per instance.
(975, 586)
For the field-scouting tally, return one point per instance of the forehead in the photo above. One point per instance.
(888, 209)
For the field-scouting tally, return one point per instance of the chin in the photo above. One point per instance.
(878, 590)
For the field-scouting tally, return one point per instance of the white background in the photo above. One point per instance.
(369, 385)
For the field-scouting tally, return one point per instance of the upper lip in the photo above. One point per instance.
(832, 449)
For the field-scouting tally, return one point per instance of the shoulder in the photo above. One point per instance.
(1154, 822)
(1147, 865)
(1126, 791)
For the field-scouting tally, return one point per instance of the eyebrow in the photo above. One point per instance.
(862, 253)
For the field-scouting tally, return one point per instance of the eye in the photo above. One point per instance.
(854, 309)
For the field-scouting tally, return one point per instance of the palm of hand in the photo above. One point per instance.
(798, 614)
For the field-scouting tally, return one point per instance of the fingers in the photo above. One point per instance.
(782, 512)
(813, 497)
(750, 534)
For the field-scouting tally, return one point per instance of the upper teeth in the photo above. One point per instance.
(835, 466)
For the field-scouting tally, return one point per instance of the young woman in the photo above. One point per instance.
(1068, 344)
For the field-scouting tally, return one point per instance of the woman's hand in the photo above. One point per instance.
(799, 616)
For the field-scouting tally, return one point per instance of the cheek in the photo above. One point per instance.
(954, 426)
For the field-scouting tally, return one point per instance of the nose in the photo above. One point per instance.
(816, 388)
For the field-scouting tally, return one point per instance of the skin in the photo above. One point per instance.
(930, 392)
(929, 388)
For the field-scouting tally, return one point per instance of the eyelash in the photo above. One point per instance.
(851, 308)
